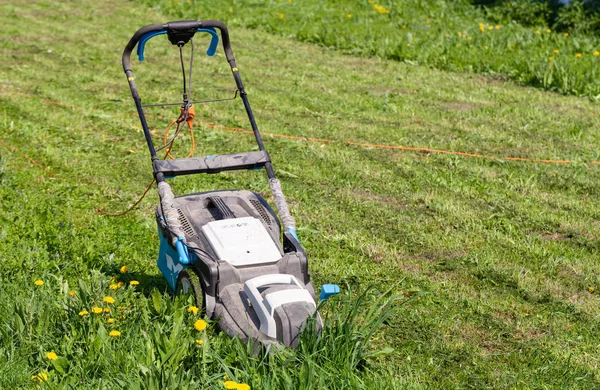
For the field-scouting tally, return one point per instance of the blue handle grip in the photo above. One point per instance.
(212, 48)
(182, 251)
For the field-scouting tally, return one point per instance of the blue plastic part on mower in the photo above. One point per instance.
(328, 290)
(169, 261)
(212, 48)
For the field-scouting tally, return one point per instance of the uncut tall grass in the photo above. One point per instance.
(449, 35)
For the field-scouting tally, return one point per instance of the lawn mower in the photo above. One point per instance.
(226, 247)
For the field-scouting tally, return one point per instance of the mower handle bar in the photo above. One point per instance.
(212, 48)
(179, 26)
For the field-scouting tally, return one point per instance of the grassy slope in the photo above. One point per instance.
(508, 250)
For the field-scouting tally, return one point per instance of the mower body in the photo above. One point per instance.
(250, 281)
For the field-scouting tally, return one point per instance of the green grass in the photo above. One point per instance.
(507, 251)
(449, 35)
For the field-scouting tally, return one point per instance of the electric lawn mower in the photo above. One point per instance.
(226, 247)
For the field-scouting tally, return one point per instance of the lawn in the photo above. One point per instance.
(496, 257)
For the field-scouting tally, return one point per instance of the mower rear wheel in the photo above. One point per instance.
(188, 283)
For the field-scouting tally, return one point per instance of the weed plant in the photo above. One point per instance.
(108, 332)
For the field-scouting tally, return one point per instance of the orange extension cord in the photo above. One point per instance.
(189, 118)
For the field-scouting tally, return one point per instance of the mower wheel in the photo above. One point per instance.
(188, 283)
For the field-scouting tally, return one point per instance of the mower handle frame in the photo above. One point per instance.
(180, 32)
(185, 29)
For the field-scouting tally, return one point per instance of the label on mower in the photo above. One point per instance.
(241, 241)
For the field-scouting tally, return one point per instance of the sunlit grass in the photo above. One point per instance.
(451, 35)
(507, 250)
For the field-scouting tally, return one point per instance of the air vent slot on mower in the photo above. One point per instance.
(261, 210)
(185, 224)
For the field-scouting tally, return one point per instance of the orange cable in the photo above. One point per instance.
(15, 150)
(190, 117)
(379, 146)
(191, 113)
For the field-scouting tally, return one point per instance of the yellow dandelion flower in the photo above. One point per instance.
(451, 24)
(107, 309)
(134, 283)
(109, 300)
(243, 386)
(578, 55)
(556, 51)
(447, 35)
(281, 16)
(110, 320)
(538, 32)
(40, 377)
(482, 27)
(114, 333)
(459, 34)
(84, 313)
(120, 284)
(230, 385)
(349, 15)
(200, 325)
(124, 269)
(497, 27)
(72, 293)
(486, 47)
(469, 38)
(548, 31)
(591, 289)
(597, 53)
(121, 307)
(459, 45)
(51, 356)
(193, 309)
(566, 34)
(427, 21)
(113, 286)
(408, 44)
(550, 58)
(490, 28)
(381, 9)
(199, 342)
(39, 282)
(96, 310)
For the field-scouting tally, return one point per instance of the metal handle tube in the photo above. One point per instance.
(280, 203)
(126, 60)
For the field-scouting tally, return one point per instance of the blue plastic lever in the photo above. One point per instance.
(182, 251)
(328, 290)
(293, 233)
(212, 48)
